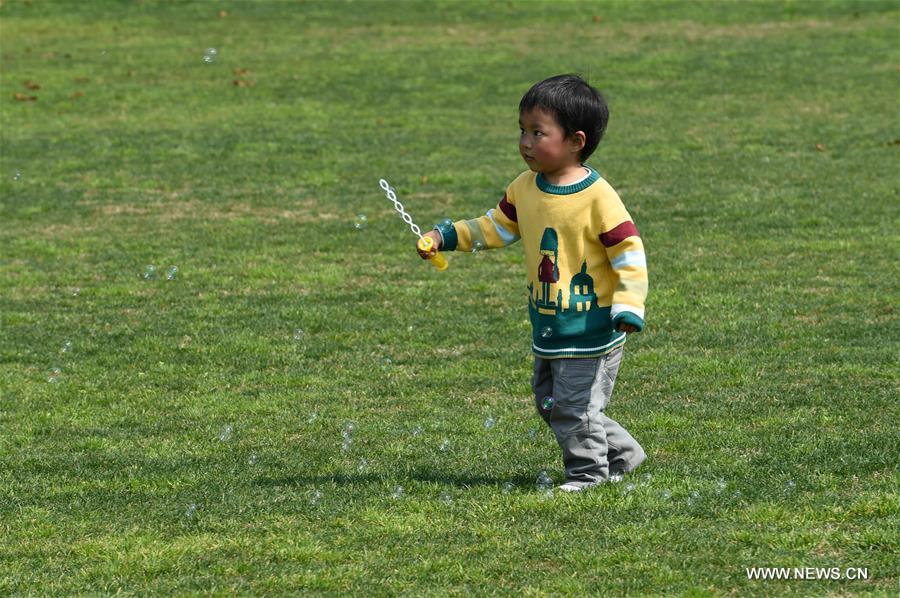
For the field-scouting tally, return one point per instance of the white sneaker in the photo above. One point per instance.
(575, 486)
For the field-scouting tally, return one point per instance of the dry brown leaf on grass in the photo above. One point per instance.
(242, 83)
(31, 85)
(77, 94)
(22, 97)
(820, 147)
(223, 14)
(240, 71)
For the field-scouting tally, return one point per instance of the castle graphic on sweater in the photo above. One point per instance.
(585, 262)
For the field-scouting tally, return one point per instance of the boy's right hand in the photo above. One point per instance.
(436, 237)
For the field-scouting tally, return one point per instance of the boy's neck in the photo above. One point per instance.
(566, 175)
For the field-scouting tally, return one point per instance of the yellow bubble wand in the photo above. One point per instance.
(425, 244)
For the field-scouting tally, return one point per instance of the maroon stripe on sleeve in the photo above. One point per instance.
(508, 209)
(619, 234)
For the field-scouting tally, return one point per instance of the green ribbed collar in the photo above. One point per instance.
(581, 185)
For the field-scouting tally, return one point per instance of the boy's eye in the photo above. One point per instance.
(539, 133)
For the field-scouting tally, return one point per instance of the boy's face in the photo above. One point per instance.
(544, 145)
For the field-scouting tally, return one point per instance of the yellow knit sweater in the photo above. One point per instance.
(586, 268)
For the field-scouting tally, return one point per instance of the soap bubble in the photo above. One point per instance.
(362, 466)
(647, 477)
(445, 446)
(347, 445)
(546, 332)
(67, 346)
(665, 495)
(790, 486)
(386, 362)
(417, 430)
(17, 176)
(694, 497)
(489, 423)
(76, 291)
(360, 221)
(446, 498)
(508, 487)
(477, 246)
(299, 334)
(210, 55)
(629, 488)
(445, 223)
(315, 498)
(547, 403)
(54, 375)
(543, 480)
(251, 460)
(399, 492)
(720, 486)
(225, 433)
(532, 434)
(615, 478)
(190, 511)
(312, 417)
(171, 273)
(149, 272)
(348, 429)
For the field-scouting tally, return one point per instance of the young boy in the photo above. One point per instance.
(586, 272)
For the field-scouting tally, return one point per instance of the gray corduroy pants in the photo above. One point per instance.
(593, 445)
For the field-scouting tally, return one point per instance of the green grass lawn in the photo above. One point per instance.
(755, 143)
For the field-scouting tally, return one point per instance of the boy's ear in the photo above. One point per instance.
(578, 140)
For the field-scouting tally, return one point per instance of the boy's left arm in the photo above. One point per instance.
(625, 251)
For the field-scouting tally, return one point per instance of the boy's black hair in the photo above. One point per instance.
(576, 106)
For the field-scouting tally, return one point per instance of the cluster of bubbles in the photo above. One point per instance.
(347, 434)
(150, 272)
(544, 484)
(226, 433)
(210, 55)
(17, 176)
(54, 376)
(543, 481)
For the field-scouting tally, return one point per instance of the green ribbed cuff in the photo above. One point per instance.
(449, 239)
(628, 318)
